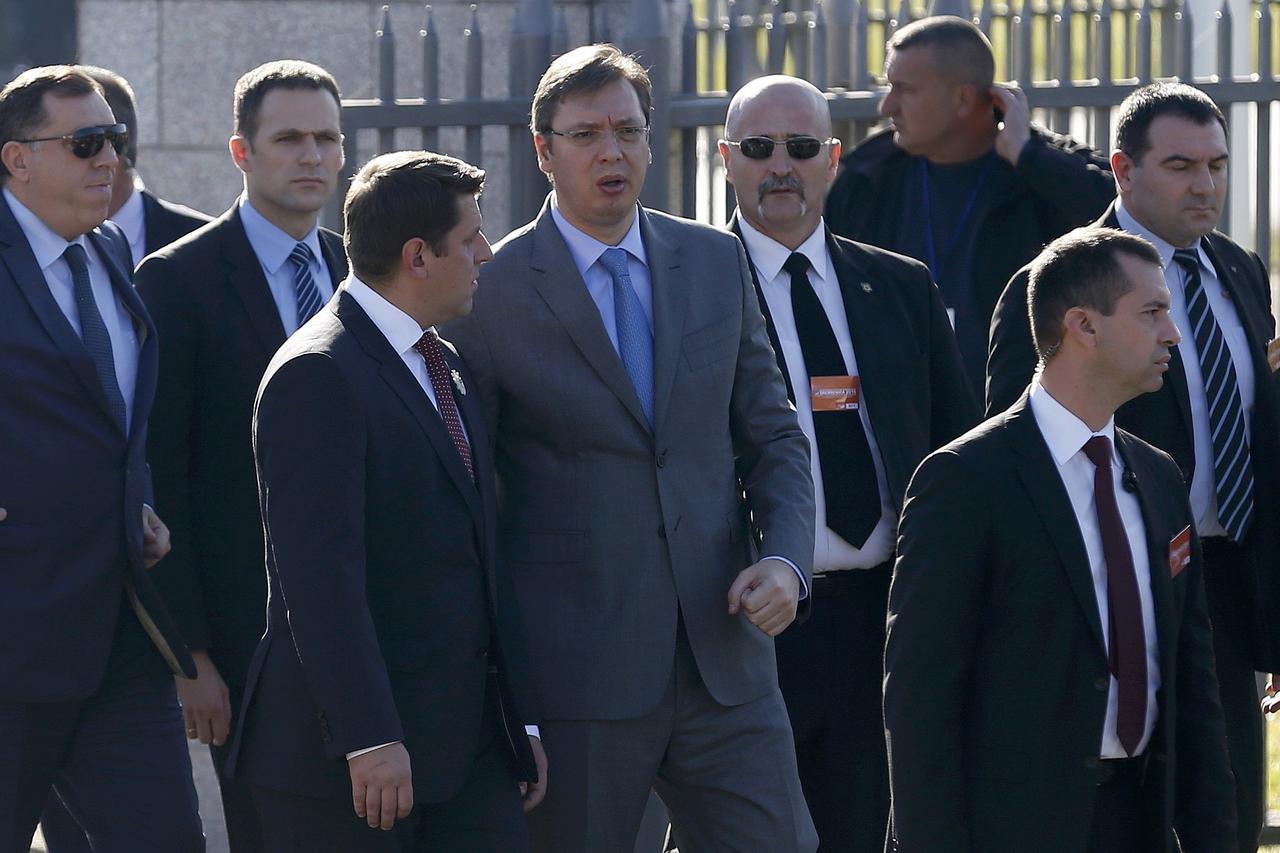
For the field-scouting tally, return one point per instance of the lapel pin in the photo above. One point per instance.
(866, 287)
(457, 382)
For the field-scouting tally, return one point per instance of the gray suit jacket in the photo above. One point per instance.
(610, 529)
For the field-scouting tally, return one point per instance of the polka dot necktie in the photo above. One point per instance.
(431, 350)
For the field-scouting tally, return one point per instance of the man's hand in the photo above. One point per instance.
(533, 792)
(4, 513)
(1271, 698)
(206, 702)
(769, 592)
(155, 537)
(1013, 136)
(382, 785)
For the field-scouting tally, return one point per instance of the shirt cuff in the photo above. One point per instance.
(804, 583)
(532, 731)
(351, 755)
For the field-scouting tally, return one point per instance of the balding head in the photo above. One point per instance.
(778, 87)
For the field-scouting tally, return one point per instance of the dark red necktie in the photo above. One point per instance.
(1128, 640)
(441, 380)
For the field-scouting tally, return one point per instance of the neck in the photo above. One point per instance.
(792, 237)
(121, 189)
(296, 224)
(1137, 217)
(965, 147)
(609, 233)
(399, 292)
(1079, 394)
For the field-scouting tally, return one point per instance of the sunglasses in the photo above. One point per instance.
(88, 141)
(761, 147)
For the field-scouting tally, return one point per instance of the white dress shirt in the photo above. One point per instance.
(132, 221)
(48, 248)
(831, 552)
(273, 247)
(402, 332)
(1066, 435)
(1204, 493)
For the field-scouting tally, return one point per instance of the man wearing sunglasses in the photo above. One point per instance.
(224, 299)
(871, 364)
(961, 167)
(87, 649)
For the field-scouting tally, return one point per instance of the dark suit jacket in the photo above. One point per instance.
(165, 222)
(387, 610)
(218, 327)
(73, 484)
(612, 529)
(1164, 417)
(908, 361)
(996, 673)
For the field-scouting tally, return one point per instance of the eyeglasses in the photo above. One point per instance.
(88, 141)
(625, 136)
(761, 147)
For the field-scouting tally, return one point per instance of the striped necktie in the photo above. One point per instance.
(94, 331)
(304, 285)
(1232, 466)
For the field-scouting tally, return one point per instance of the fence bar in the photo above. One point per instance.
(647, 38)
(473, 87)
(820, 75)
(1062, 21)
(386, 76)
(1185, 33)
(1142, 20)
(776, 30)
(430, 74)
(689, 135)
(530, 56)
(840, 18)
(1262, 151)
(1023, 26)
(1102, 70)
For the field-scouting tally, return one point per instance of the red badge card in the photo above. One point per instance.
(1180, 552)
(834, 393)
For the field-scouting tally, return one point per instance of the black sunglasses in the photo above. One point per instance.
(88, 141)
(761, 147)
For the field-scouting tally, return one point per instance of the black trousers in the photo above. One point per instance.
(831, 670)
(1230, 612)
(1121, 823)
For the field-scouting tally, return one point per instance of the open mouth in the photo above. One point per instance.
(612, 183)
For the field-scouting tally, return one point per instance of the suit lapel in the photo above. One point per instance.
(670, 308)
(557, 281)
(335, 260)
(244, 274)
(1157, 550)
(394, 372)
(1043, 485)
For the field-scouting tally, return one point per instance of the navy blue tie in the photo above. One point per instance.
(1232, 465)
(94, 331)
(304, 285)
(635, 340)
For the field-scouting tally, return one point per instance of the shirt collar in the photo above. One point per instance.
(769, 255)
(400, 330)
(1164, 247)
(1065, 433)
(47, 245)
(130, 217)
(272, 245)
(586, 250)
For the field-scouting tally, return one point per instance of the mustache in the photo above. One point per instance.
(780, 182)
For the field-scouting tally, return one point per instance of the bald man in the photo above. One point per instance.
(862, 338)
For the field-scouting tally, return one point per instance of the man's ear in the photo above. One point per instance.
(14, 156)
(415, 257)
(240, 150)
(542, 145)
(1122, 167)
(1078, 326)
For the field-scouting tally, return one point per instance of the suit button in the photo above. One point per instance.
(661, 458)
(662, 532)
(482, 653)
(1102, 682)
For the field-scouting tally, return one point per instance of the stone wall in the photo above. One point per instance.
(183, 58)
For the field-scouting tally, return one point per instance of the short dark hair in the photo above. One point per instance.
(22, 100)
(1080, 269)
(1145, 105)
(960, 50)
(587, 69)
(399, 196)
(119, 95)
(253, 87)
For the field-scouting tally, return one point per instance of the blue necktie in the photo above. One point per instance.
(1232, 466)
(635, 341)
(304, 285)
(94, 331)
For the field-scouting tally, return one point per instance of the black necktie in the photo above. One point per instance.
(848, 475)
(1232, 467)
(1128, 643)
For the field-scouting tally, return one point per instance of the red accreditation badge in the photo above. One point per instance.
(1180, 552)
(834, 393)
(1273, 355)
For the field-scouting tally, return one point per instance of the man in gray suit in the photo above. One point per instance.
(646, 458)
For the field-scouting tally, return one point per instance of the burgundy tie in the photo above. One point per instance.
(1128, 641)
(433, 353)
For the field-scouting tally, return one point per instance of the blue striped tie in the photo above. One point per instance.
(1232, 466)
(635, 340)
(304, 285)
(94, 331)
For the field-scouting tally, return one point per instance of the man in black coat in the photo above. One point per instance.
(882, 314)
(393, 673)
(1049, 649)
(224, 299)
(962, 180)
(1171, 167)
